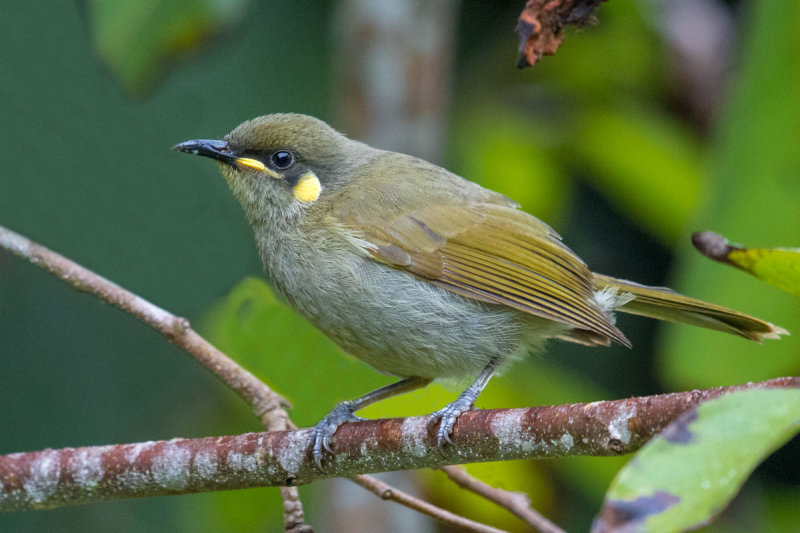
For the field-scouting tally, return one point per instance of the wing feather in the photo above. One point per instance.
(476, 243)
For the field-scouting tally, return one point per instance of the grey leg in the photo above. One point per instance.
(320, 437)
(465, 401)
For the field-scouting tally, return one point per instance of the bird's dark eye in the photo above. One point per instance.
(282, 159)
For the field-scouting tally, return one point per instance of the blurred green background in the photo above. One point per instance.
(661, 120)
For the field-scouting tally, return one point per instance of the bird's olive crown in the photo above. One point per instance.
(282, 161)
(291, 144)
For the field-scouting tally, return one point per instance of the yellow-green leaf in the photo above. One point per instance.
(776, 266)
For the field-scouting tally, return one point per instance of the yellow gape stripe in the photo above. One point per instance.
(307, 188)
(258, 165)
(252, 163)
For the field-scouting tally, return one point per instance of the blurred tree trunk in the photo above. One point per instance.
(394, 63)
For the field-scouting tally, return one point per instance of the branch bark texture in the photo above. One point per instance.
(70, 476)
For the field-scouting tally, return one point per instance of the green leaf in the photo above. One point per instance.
(135, 37)
(776, 266)
(685, 476)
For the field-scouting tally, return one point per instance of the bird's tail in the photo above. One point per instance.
(666, 304)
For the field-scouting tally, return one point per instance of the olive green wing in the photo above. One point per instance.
(476, 243)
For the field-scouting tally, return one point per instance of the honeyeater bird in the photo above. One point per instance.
(418, 272)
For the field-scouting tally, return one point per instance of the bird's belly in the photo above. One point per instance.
(405, 326)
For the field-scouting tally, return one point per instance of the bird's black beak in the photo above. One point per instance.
(219, 150)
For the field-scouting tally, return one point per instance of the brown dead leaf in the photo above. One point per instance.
(541, 23)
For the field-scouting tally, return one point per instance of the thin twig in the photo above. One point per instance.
(293, 516)
(517, 503)
(386, 492)
(267, 405)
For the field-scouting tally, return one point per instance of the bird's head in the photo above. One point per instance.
(282, 164)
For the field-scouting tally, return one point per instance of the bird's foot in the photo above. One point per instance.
(320, 436)
(448, 416)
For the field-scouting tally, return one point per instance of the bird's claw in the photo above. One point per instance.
(447, 417)
(319, 439)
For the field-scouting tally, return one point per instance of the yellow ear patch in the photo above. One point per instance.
(308, 188)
